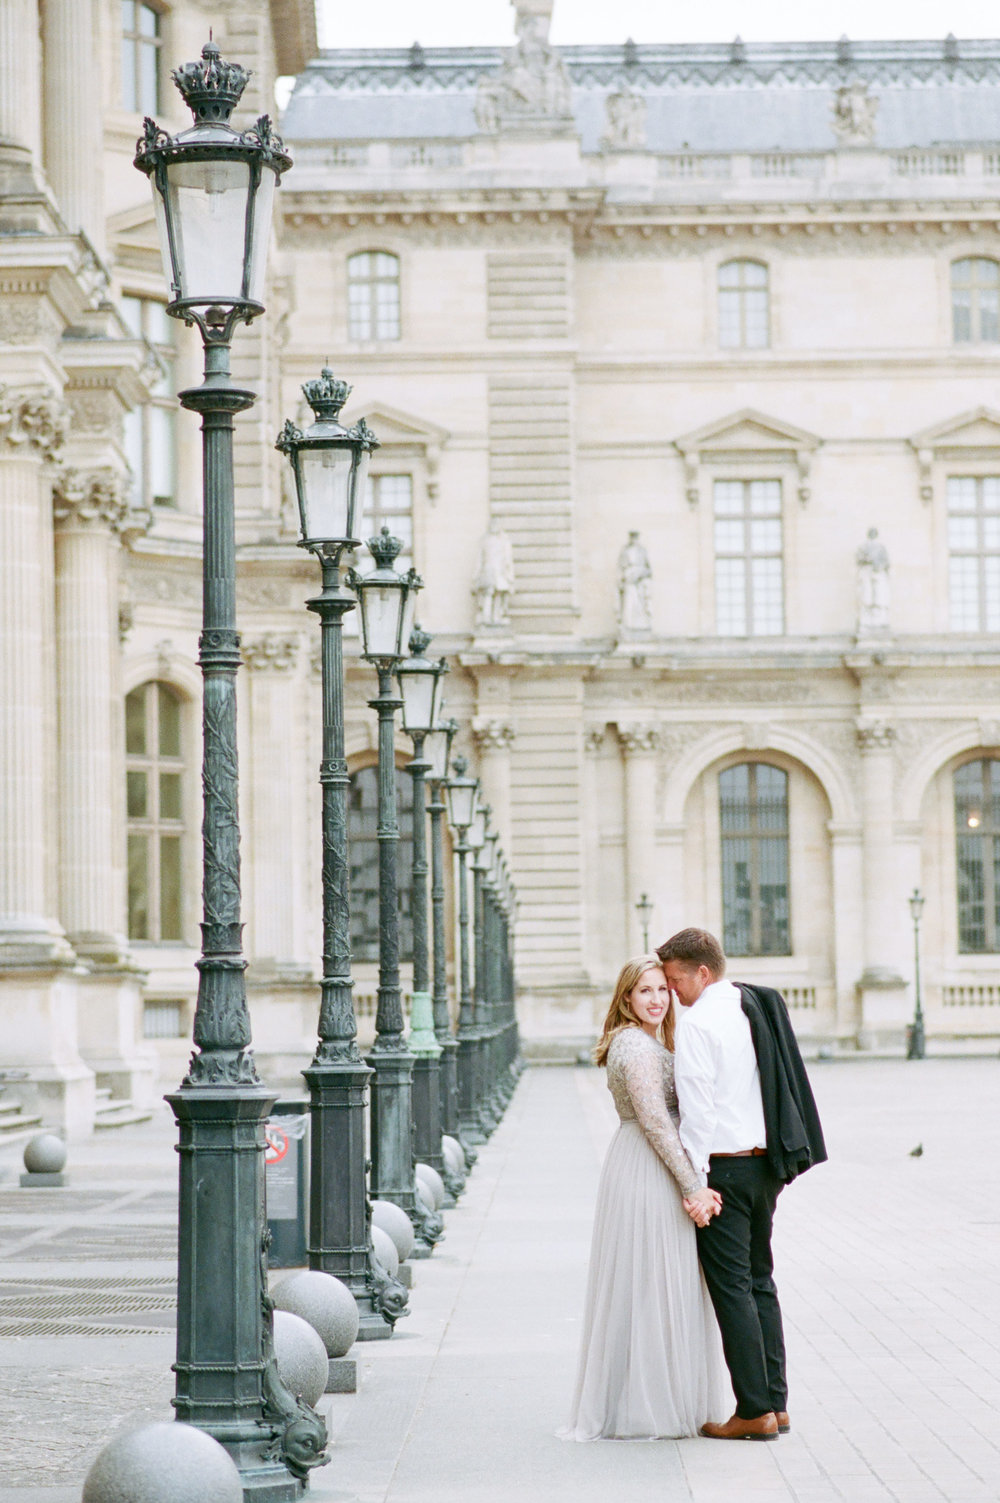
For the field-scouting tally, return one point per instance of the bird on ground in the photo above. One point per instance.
(916, 1153)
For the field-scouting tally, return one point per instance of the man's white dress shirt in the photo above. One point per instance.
(716, 1075)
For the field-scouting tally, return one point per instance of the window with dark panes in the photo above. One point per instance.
(362, 834)
(154, 777)
(753, 817)
(977, 836)
(150, 429)
(975, 300)
(141, 41)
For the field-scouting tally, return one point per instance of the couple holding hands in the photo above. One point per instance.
(716, 1117)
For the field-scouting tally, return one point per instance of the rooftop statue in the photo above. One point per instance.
(532, 89)
(854, 111)
(626, 121)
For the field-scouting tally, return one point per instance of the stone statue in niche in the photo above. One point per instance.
(626, 121)
(854, 111)
(634, 574)
(494, 581)
(532, 88)
(873, 586)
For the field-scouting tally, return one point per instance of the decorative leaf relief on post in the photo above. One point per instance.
(220, 826)
(33, 421)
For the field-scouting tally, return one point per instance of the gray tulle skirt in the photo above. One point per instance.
(651, 1364)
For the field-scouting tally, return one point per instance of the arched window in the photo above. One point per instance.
(362, 834)
(975, 300)
(373, 296)
(753, 818)
(977, 832)
(154, 773)
(744, 320)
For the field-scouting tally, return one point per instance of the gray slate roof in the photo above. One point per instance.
(704, 98)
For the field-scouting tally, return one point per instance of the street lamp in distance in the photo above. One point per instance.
(915, 1044)
(644, 908)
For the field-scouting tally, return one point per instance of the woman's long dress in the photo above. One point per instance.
(651, 1363)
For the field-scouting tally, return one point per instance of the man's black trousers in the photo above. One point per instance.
(735, 1253)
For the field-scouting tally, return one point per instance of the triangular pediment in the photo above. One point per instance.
(978, 429)
(391, 426)
(745, 431)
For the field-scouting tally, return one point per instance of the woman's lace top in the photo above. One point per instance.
(641, 1081)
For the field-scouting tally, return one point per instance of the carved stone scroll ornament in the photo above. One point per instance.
(853, 114)
(275, 651)
(532, 89)
(875, 735)
(638, 739)
(89, 498)
(32, 422)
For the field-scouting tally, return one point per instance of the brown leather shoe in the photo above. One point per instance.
(764, 1427)
(784, 1424)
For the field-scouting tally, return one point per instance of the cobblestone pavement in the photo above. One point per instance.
(887, 1266)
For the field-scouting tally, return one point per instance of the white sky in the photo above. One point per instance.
(456, 23)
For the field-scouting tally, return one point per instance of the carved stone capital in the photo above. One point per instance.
(492, 735)
(593, 739)
(638, 739)
(875, 735)
(32, 421)
(89, 498)
(276, 651)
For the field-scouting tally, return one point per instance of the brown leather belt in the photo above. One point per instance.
(742, 1153)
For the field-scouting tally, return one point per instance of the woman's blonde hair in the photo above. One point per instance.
(620, 1014)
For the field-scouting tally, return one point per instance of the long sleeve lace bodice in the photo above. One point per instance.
(641, 1082)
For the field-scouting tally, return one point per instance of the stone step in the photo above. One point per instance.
(121, 1113)
(18, 1125)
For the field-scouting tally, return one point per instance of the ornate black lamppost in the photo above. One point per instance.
(915, 1044)
(437, 749)
(463, 797)
(420, 682)
(478, 839)
(387, 600)
(213, 188)
(644, 908)
(329, 463)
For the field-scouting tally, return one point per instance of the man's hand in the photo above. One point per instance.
(702, 1205)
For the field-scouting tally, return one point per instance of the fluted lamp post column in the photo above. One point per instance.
(916, 1043)
(420, 684)
(463, 802)
(213, 190)
(329, 464)
(437, 749)
(387, 601)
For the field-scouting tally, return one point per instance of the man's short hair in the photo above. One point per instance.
(694, 947)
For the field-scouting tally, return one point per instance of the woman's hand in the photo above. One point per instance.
(702, 1205)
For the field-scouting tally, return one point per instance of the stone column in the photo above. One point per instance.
(640, 744)
(279, 851)
(38, 984)
(74, 153)
(20, 75)
(882, 990)
(494, 739)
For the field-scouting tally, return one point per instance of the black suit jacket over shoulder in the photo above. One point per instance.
(794, 1135)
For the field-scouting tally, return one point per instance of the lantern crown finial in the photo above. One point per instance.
(420, 640)
(211, 87)
(384, 549)
(326, 395)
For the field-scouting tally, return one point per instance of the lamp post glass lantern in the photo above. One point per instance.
(328, 462)
(644, 908)
(916, 1042)
(213, 190)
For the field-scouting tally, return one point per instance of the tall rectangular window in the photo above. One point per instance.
(388, 502)
(362, 840)
(974, 552)
(154, 785)
(977, 833)
(975, 300)
(150, 430)
(140, 57)
(753, 816)
(743, 306)
(749, 587)
(373, 295)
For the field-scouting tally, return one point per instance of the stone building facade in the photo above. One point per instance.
(741, 302)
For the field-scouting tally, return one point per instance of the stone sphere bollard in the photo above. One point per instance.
(453, 1155)
(424, 1196)
(325, 1303)
(301, 1356)
(45, 1154)
(385, 1251)
(429, 1177)
(389, 1218)
(166, 1462)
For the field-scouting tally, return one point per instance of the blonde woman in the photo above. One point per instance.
(651, 1362)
